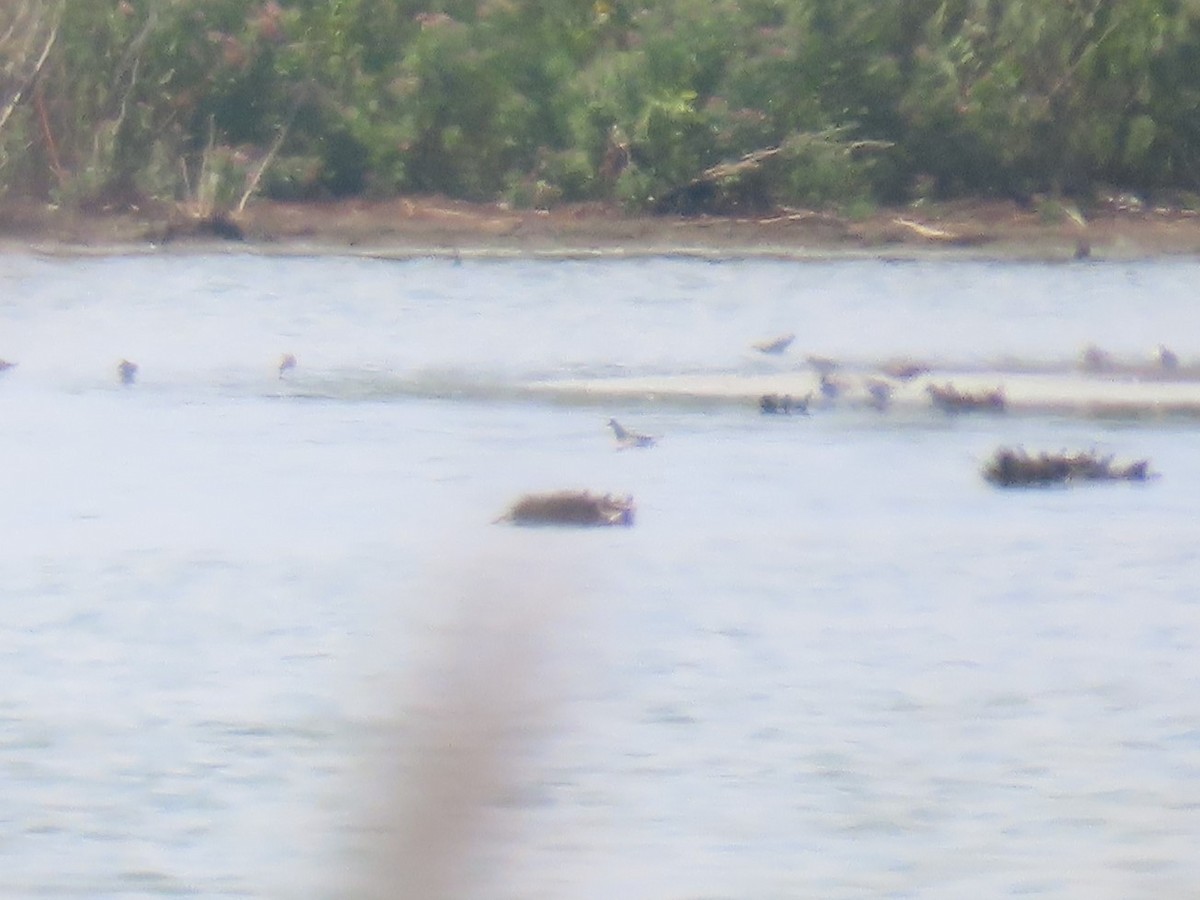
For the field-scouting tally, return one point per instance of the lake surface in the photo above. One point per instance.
(263, 640)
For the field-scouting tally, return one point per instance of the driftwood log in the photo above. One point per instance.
(1016, 468)
(726, 188)
(573, 508)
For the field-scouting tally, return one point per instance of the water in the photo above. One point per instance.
(261, 638)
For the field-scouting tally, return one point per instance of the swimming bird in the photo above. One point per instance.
(127, 371)
(626, 438)
(775, 345)
(5, 365)
(287, 362)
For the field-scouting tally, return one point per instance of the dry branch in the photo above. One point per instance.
(15, 100)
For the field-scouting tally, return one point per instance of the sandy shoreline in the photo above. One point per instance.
(1068, 394)
(436, 227)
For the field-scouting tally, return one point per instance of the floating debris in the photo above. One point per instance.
(775, 345)
(1016, 468)
(783, 405)
(950, 399)
(575, 508)
(127, 371)
(287, 362)
(627, 438)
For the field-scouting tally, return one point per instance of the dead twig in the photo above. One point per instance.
(253, 180)
(12, 104)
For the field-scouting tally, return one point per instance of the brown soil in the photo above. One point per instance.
(436, 226)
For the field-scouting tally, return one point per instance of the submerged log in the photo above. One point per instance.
(575, 508)
(1016, 468)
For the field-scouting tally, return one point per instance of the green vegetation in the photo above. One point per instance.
(668, 105)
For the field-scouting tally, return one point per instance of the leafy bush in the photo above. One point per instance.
(547, 101)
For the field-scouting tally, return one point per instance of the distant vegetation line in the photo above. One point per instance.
(666, 105)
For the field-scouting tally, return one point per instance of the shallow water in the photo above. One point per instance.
(261, 634)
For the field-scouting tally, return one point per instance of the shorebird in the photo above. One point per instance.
(1093, 359)
(775, 345)
(831, 389)
(904, 369)
(127, 371)
(776, 405)
(1166, 358)
(287, 362)
(626, 438)
(879, 394)
(822, 365)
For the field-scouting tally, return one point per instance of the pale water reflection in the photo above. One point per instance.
(261, 638)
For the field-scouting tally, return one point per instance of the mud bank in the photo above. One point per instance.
(414, 227)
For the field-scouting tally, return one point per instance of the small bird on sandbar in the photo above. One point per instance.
(831, 388)
(127, 371)
(1166, 358)
(822, 365)
(904, 369)
(1093, 359)
(627, 438)
(879, 394)
(785, 405)
(287, 362)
